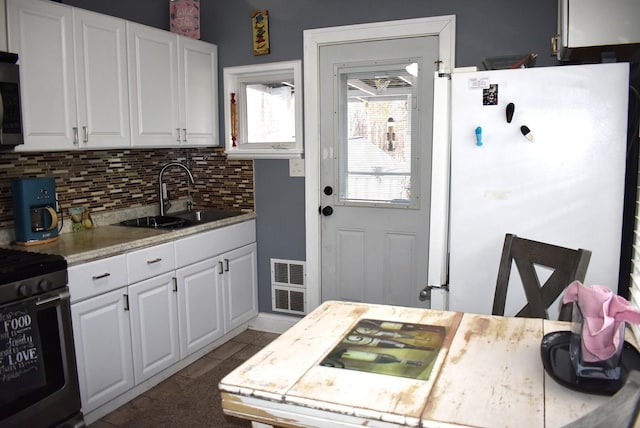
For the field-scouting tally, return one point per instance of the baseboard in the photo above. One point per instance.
(273, 323)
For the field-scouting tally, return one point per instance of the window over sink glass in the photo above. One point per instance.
(263, 110)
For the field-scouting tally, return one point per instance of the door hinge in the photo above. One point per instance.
(425, 293)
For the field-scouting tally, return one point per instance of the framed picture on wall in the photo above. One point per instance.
(184, 17)
(260, 30)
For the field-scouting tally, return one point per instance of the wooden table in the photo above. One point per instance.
(488, 373)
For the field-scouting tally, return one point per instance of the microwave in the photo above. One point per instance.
(10, 109)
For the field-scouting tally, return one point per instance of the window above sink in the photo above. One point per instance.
(263, 111)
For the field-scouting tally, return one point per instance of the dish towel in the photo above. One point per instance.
(604, 313)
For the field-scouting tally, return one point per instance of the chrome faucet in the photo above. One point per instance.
(160, 184)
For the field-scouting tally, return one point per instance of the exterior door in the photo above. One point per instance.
(376, 136)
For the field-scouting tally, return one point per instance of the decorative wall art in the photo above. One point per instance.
(260, 29)
(184, 16)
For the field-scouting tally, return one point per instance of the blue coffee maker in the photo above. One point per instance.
(34, 210)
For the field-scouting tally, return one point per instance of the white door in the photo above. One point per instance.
(102, 341)
(153, 81)
(41, 33)
(154, 326)
(101, 74)
(198, 92)
(240, 286)
(199, 308)
(376, 136)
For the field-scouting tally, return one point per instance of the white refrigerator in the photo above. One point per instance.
(559, 180)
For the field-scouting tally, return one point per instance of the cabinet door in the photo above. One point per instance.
(153, 79)
(199, 299)
(101, 73)
(103, 348)
(241, 286)
(198, 92)
(154, 326)
(41, 33)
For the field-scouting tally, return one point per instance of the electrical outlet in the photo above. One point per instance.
(296, 167)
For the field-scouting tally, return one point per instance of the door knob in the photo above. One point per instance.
(328, 190)
(327, 211)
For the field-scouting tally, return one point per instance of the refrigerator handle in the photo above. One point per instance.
(438, 272)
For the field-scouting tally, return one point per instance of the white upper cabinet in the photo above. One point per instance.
(41, 33)
(101, 76)
(92, 81)
(153, 77)
(589, 29)
(173, 89)
(198, 69)
(73, 76)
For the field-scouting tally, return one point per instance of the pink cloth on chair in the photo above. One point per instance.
(604, 313)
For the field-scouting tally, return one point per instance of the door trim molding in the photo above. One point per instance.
(441, 26)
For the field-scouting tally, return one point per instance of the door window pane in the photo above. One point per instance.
(376, 153)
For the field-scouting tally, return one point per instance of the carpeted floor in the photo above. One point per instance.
(191, 397)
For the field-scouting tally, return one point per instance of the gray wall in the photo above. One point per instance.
(483, 29)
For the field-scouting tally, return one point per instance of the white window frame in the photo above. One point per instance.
(235, 80)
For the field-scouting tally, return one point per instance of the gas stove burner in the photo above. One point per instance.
(16, 265)
(25, 273)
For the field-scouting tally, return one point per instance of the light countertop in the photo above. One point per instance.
(105, 241)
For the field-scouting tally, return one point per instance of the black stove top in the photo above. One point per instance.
(18, 265)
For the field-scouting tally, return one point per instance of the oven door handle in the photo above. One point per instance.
(60, 295)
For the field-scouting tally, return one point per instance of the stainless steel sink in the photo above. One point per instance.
(158, 222)
(180, 220)
(206, 216)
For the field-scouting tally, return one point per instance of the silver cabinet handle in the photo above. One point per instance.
(150, 262)
(220, 267)
(175, 284)
(226, 265)
(178, 129)
(184, 139)
(104, 275)
(126, 302)
(75, 135)
(86, 134)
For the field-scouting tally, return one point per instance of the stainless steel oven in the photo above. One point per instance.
(38, 376)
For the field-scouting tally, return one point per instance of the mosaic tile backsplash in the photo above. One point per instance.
(120, 179)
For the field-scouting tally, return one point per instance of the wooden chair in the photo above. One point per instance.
(620, 411)
(568, 265)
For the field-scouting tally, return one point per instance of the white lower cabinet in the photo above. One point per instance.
(199, 303)
(154, 326)
(137, 314)
(240, 286)
(102, 338)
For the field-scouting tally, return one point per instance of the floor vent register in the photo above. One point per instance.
(288, 286)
